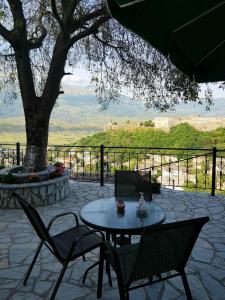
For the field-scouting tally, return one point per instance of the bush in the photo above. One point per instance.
(8, 178)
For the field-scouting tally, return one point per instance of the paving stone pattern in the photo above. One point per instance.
(205, 269)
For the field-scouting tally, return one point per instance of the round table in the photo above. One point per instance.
(103, 215)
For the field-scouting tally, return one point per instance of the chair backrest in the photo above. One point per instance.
(166, 247)
(131, 183)
(34, 219)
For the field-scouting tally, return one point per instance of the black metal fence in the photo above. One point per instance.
(188, 169)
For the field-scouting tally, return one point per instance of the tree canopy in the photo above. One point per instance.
(117, 59)
(43, 40)
(180, 136)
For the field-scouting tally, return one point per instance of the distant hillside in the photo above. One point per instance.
(78, 110)
(181, 136)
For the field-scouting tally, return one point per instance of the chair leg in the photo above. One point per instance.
(127, 294)
(100, 272)
(59, 281)
(33, 262)
(122, 293)
(186, 285)
(108, 272)
(88, 269)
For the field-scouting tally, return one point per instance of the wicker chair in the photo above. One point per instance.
(131, 183)
(65, 246)
(162, 249)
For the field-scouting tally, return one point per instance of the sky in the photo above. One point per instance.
(82, 77)
(217, 92)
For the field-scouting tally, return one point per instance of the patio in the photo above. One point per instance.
(206, 268)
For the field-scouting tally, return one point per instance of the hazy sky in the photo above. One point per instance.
(82, 77)
(217, 92)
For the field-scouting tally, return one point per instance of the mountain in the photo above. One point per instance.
(78, 109)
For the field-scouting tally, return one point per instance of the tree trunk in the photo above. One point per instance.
(37, 126)
(35, 159)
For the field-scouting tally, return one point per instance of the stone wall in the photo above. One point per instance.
(200, 123)
(37, 194)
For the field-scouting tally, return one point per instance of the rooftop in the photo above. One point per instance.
(205, 268)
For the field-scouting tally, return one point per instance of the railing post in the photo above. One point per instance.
(18, 154)
(102, 165)
(213, 171)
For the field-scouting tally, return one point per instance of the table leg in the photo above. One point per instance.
(107, 263)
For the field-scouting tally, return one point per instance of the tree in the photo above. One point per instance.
(41, 38)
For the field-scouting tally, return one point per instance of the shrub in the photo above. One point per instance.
(8, 178)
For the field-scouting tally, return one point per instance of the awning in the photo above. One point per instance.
(190, 32)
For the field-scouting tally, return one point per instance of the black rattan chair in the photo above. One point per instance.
(65, 246)
(162, 249)
(131, 183)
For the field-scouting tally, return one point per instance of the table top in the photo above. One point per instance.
(103, 215)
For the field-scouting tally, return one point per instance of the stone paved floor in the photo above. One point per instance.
(206, 267)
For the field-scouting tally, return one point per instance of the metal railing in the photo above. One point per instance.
(186, 168)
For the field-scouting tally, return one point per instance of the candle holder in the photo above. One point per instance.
(120, 205)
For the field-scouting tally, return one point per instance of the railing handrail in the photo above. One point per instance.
(174, 162)
(103, 159)
(122, 147)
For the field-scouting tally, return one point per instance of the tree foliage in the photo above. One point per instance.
(117, 59)
(43, 40)
(180, 136)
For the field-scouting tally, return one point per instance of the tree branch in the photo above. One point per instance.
(6, 34)
(116, 48)
(17, 13)
(34, 43)
(88, 31)
(20, 45)
(68, 9)
(57, 17)
(92, 15)
(97, 13)
(106, 43)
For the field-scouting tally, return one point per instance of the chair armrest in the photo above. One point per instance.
(84, 235)
(61, 215)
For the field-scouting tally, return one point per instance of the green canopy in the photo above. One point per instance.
(190, 32)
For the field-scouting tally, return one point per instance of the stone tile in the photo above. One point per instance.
(13, 272)
(18, 252)
(70, 291)
(215, 289)
(4, 294)
(202, 254)
(198, 290)
(154, 291)
(25, 296)
(42, 287)
(18, 242)
(169, 292)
